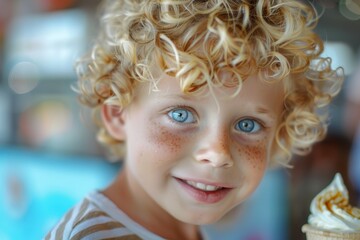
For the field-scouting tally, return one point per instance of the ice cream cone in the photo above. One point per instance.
(313, 233)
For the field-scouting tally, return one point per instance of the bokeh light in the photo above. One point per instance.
(45, 122)
(24, 77)
(350, 9)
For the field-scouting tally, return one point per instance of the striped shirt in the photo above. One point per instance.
(96, 217)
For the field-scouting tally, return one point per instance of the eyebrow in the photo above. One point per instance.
(265, 112)
(171, 95)
(262, 110)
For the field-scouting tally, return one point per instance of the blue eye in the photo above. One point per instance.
(181, 115)
(248, 126)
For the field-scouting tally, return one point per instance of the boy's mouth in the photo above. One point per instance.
(204, 192)
(202, 186)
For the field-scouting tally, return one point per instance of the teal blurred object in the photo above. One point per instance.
(36, 189)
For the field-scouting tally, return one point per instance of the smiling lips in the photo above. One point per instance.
(202, 192)
(202, 186)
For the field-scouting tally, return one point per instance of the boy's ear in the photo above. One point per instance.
(113, 118)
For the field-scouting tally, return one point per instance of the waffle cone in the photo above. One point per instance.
(313, 233)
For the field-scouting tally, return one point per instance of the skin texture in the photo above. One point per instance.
(209, 147)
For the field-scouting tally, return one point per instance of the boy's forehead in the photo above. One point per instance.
(168, 86)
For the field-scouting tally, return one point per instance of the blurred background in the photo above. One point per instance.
(49, 158)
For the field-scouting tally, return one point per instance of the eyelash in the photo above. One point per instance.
(182, 108)
(257, 124)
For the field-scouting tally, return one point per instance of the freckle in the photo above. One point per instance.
(255, 155)
(224, 143)
(165, 139)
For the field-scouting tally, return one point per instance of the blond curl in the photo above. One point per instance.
(195, 40)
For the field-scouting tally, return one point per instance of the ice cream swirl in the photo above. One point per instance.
(330, 209)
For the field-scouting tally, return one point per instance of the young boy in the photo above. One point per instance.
(199, 98)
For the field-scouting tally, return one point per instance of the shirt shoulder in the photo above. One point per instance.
(87, 221)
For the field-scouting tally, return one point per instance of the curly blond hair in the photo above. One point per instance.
(194, 40)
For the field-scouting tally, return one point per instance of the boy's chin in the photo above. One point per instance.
(201, 218)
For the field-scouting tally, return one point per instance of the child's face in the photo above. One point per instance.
(197, 157)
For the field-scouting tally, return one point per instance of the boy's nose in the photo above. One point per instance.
(215, 150)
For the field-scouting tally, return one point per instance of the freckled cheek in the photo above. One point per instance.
(165, 140)
(254, 155)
